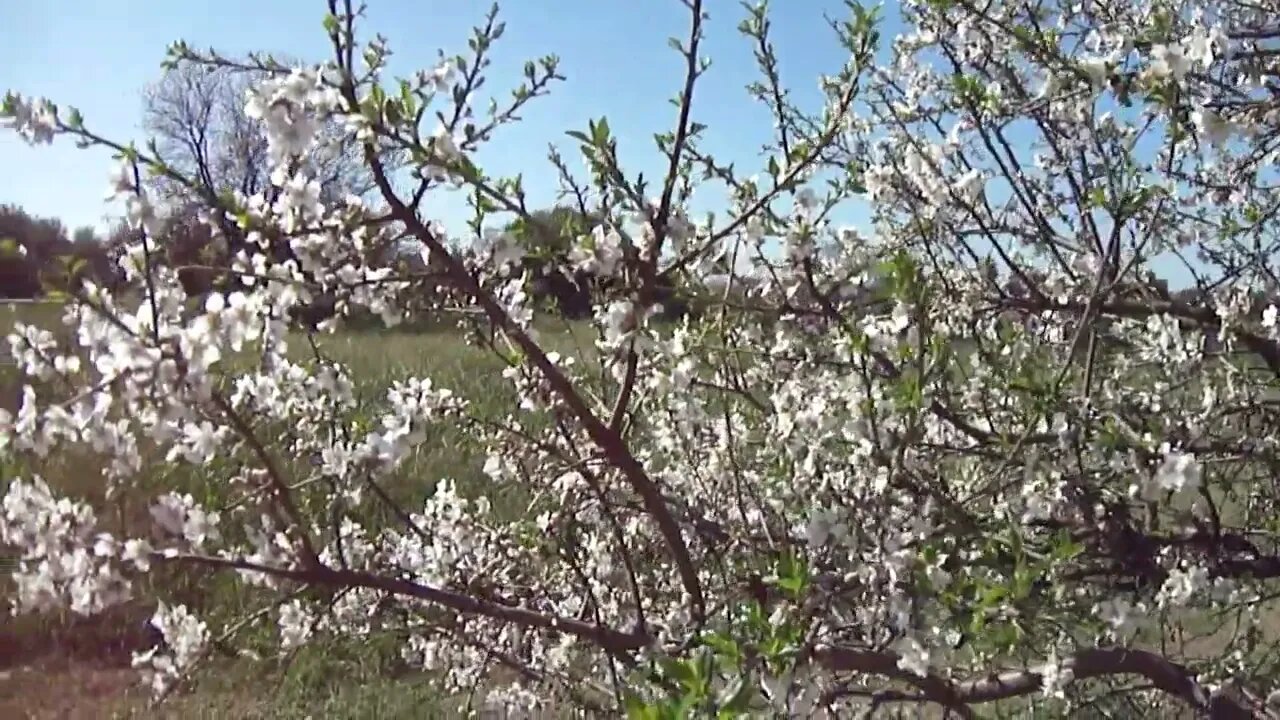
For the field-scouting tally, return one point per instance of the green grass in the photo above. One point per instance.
(60, 668)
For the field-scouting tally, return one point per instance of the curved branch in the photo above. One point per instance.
(660, 221)
(606, 638)
(1168, 676)
(1267, 349)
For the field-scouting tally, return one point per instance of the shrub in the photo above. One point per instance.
(868, 474)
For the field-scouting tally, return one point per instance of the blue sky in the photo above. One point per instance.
(99, 56)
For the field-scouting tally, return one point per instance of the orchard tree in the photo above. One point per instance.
(973, 454)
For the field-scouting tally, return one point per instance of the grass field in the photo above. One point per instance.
(64, 668)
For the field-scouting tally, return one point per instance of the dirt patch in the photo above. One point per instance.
(71, 667)
(107, 640)
(68, 689)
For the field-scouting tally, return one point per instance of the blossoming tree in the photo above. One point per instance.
(972, 454)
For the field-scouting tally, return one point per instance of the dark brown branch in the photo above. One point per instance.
(660, 222)
(279, 485)
(606, 638)
(1167, 676)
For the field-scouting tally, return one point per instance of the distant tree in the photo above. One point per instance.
(196, 115)
(37, 256)
(84, 235)
(551, 232)
(30, 244)
(547, 236)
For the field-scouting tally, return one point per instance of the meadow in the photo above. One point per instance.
(67, 667)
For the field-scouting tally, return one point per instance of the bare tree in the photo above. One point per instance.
(196, 115)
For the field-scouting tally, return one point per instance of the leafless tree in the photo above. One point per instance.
(196, 115)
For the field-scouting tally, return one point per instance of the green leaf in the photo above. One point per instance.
(1002, 635)
(1023, 577)
(725, 647)
(1065, 548)
(735, 698)
(756, 620)
(467, 169)
(331, 24)
(992, 596)
(1098, 197)
(600, 132)
(680, 671)
(638, 709)
(968, 87)
(793, 574)
(391, 110)
(799, 152)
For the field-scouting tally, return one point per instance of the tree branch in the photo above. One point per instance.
(1168, 676)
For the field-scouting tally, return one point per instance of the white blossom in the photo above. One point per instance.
(912, 656)
(1169, 61)
(185, 638)
(296, 625)
(1177, 473)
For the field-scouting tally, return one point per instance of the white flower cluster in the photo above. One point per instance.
(180, 518)
(290, 107)
(1196, 51)
(414, 405)
(65, 562)
(598, 254)
(35, 120)
(185, 638)
(1178, 473)
(457, 544)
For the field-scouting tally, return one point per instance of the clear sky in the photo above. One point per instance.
(98, 56)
